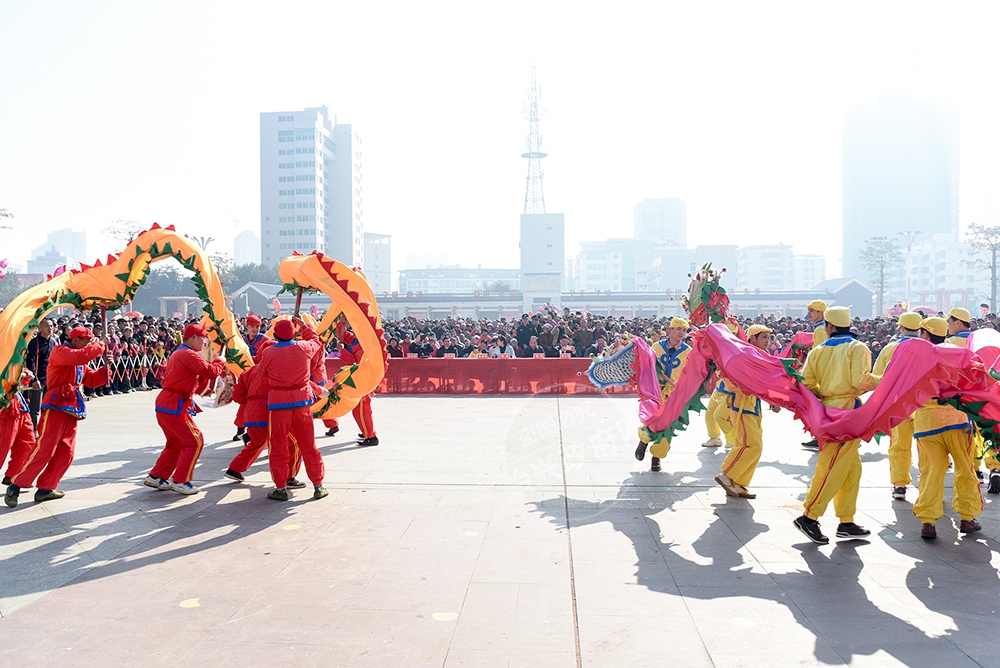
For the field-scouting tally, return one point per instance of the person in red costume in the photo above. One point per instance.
(351, 353)
(287, 366)
(256, 342)
(187, 374)
(17, 433)
(62, 410)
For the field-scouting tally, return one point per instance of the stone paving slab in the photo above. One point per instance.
(483, 531)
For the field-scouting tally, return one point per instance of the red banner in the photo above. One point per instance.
(486, 376)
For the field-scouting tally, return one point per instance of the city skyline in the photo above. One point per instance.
(677, 101)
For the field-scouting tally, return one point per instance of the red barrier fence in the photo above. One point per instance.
(486, 376)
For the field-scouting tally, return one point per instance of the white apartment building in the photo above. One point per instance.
(246, 248)
(941, 265)
(770, 267)
(809, 271)
(310, 187)
(378, 268)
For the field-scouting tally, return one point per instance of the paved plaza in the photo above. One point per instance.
(485, 532)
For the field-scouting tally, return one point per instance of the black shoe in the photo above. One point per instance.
(361, 435)
(332, 430)
(6, 480)
(369, 441)
(994, 487)
(293, 483)
(10, 498)
(927, 531)
(654, 464)
(246, 439)
(811, 445)
(278, 494)
(235, 475)
(640, 451)
(979, 474)
(899, 492)
(852, 530)
(811, 529)
(239, 433)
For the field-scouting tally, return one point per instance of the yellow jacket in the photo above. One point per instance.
(839, 371)
(961, 339)
(819, 334)
(669, 366)
(745, 404)
(885, 356)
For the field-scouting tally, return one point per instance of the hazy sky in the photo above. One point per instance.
(149, 111)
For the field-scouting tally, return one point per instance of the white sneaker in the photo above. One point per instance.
(729, 446)
(713, 442)
(184, 488)
(156, 483)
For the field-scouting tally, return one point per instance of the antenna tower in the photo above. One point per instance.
(534, 198)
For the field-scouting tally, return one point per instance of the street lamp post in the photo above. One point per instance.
(908, 237)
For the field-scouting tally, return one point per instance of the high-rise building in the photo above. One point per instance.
(66, 242)
(900, 173)
(767, 268)
(310, 187)
(809, 271)
(246, 248)
(663, 219)
(378, 268)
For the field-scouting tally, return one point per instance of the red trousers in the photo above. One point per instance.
(180, 454)
(258, 441)
(17, 436)
(363, 416)
(285, 427)
(53, 453)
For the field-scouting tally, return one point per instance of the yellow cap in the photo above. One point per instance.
(679, 322)
(911, 320)
(838, 316)
(959, 313)
(817, 305)
(936, 326)
(754, 330)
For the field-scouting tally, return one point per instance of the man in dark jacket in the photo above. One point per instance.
(532, 348)
(525, 330)
(37, 363)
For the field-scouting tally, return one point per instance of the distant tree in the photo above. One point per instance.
(224, 266)
(4, 213)
(880, 256)
(165, 280)
(253, 273)
(496, 286)
(11, 286)
(986, 242)
(124, 231)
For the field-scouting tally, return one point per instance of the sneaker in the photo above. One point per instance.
(732, 489)
(184, 488)
(294, 483)
(994, 487)
(729, 446)
(811, 445)
(713, 442)
(48, 494)
(640, 451)
(852, 530)
(235, 475)
(969, 526)
(320, 492)
(899, 492)
(369, 441)
(278, 494)
(156, 483)
(654, 464)
(332, 430)
(927, 531)
(10, 498)
(811, 529)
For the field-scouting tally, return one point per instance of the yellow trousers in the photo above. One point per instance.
(717, 416)
(658, 449)
(741, 462)
(837, 478)
(967, 499)
(901, 453)
(982, 456)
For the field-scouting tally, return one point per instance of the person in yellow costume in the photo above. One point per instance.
(814, 314)
(959, 320)
(838, 372)
(741, 462)
(901, 438)
(717, 416)
(671, 354)
(942, 431)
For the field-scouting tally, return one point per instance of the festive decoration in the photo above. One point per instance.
(706, 300)
(112, 284)
(3, 268)
(897, 309)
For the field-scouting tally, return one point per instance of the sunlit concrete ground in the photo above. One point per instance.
(481, 532)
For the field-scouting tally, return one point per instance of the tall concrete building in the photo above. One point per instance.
(900, 172)
(769, 268)
(310, 187)
(378, 266)
(543, 258)
(663, 219)
(246, 248)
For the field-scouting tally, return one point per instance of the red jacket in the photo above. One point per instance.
(251, 394)
(67, 372)
(187, 373)
(287, 367)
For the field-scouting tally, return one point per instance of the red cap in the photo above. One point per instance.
(194, 330)
(253, 320)
(284, 330)
(80, 333)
